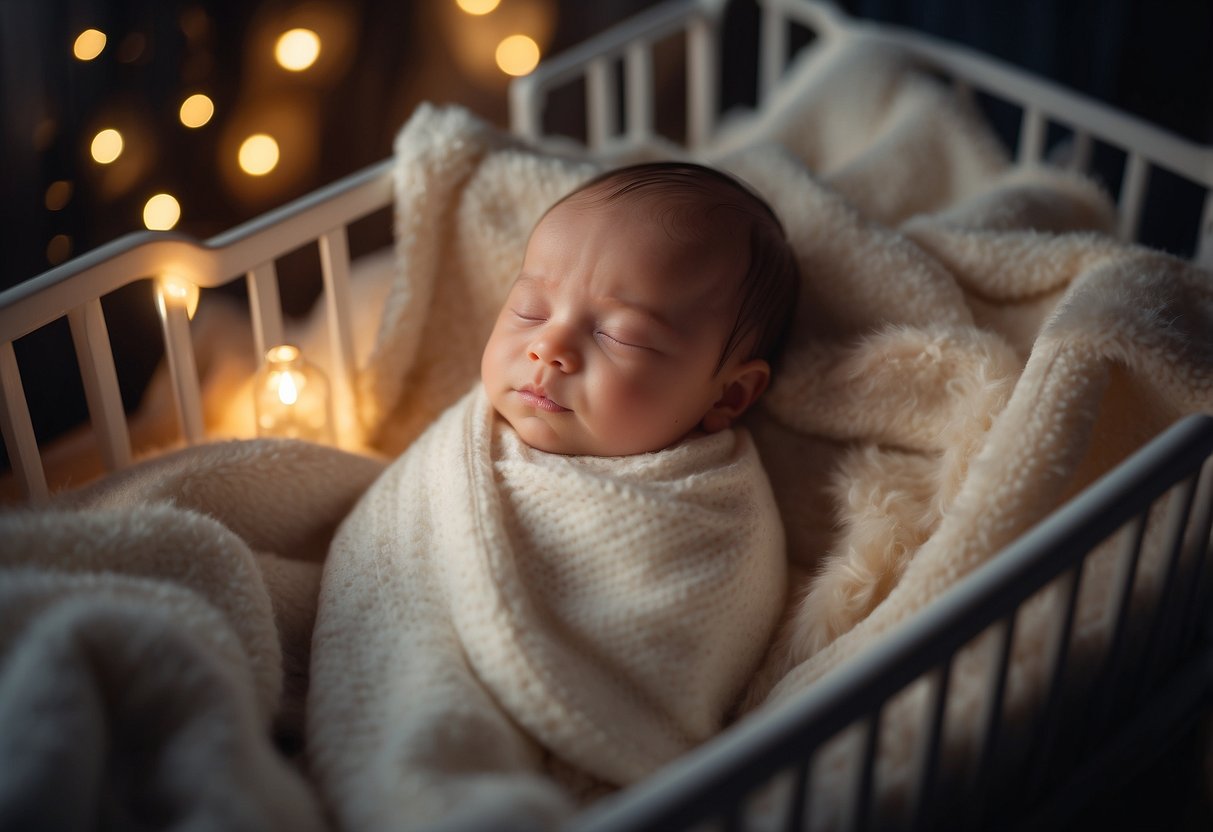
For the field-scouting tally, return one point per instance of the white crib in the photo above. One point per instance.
(1172, 680)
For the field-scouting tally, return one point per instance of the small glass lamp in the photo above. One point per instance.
(292, 398)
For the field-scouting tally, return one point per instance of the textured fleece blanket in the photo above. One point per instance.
(489, 606)
(154, 638)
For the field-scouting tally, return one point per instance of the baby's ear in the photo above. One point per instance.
(743, 385)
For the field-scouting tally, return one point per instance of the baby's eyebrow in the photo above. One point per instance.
(534, 279)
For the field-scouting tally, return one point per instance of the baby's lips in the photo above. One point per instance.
(535, 397)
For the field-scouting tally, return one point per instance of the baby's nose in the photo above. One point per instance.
(555, 350)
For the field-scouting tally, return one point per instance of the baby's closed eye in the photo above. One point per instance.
(621, 340)
(529, 315)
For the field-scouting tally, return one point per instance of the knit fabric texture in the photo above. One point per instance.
(488, 603)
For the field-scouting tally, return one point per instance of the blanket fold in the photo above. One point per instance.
(148, 652)
(605, 610)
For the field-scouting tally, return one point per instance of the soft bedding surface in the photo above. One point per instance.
(972, 347)
(155, 631)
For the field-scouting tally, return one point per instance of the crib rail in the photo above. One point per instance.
(631, 42)
(180, 264)
(1042, 103)
(710, 788)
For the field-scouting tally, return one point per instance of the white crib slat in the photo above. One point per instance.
(1080, 152)
(1031, 136)
(602, 112)
(1107, 694)
(183, 370)
(18, 430)
(774, 48)
(335, 265)
(91, 338)
(703, 71)
(862, 807)
(796, 804)
(639, 89)
(1161, 638)
(1132, 195)
(1202, 524)
(265, 308)
(1204, 250)
(1049, 720)
(526, 114)
(938, 681)
(984, 775)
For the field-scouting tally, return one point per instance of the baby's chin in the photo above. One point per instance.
(538, 434)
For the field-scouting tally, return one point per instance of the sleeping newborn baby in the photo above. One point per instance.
(572, 574)
(650, 305)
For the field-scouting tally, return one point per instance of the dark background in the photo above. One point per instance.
(378, 60)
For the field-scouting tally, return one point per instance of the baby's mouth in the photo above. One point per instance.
(536, 398)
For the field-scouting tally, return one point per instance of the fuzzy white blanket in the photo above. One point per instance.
(154, 635)
(487, 605)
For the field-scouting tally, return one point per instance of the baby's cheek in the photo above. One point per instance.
(646, 401)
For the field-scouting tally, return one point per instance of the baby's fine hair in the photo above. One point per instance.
(689, 194)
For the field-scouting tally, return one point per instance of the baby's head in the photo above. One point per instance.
(652, 302)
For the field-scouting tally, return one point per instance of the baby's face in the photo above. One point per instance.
(609, 339)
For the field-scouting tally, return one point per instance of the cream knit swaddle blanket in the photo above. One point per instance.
(495, 603)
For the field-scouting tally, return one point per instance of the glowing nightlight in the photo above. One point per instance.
(291, 397)
(106, 146)
(172, 290)
(258, 154)
(196, 110)
(297, 49)
(478, 7)
(89, 44)
(161, 212)
(517, 55)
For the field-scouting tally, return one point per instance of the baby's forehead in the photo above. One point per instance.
(630, 249)
(699, 216)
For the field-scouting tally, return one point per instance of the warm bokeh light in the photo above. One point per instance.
(258, 154)
(58, 195)
(297, 49)
(106, 146)
(478, 6)
(197, 110)
(161, 212)
(517, 55)
(58, 249)
(89, 44)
